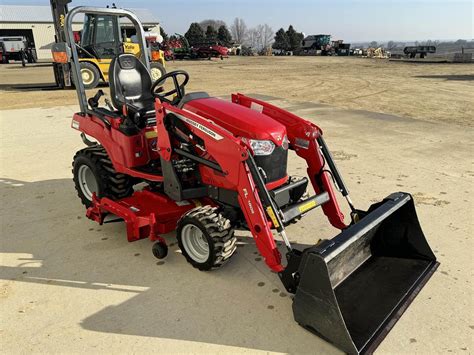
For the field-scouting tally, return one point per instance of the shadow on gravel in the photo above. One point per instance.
(29, 87)
(39, 87)
(466, 77)
(17, 65)
(48, 240)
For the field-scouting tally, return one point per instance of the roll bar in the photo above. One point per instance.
(76, 70)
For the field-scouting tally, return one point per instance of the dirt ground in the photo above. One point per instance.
(68, 285)
(432, 92)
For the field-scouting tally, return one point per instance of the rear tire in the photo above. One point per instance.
(206, 238)
(90, 75)
(93, 172)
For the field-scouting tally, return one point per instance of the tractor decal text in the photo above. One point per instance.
(244, 190)
(202, 128)
(251, 207)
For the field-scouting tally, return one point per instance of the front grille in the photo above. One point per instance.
(274, 164)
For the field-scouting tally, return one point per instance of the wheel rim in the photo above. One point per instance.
(155, 74)
(87, 76)
(195, 243)
(87, 181)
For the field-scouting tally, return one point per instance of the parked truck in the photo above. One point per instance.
(16, 48)
(412, 51)
(316, 45)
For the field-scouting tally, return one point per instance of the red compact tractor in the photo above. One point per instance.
(164, 160)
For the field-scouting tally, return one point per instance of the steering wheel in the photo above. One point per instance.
(178, 89)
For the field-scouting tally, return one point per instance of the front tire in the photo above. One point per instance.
(90, 75)
(93, 172)
(206, 238)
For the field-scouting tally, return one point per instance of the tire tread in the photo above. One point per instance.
(218, 228)
(111, 184)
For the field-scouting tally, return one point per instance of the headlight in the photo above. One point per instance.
(285, 144)
(261, 147)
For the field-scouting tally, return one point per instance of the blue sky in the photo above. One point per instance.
(351, 20)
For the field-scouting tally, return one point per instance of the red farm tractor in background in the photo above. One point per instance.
(178, 47)
(206, 167)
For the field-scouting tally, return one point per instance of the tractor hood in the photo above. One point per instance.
(237, 119)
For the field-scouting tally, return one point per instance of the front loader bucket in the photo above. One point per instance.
(354, 287)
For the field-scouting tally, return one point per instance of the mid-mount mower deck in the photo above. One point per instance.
(165, 160)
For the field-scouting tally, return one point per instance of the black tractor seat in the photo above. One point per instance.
(130, 85)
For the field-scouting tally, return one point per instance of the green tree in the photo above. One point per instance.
(211, 34)
(294, 38)
(224, 37)
(281, 40)
(195, 34)
(214, 23)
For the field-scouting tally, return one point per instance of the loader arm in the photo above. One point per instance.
(233, 158)
(303, 136)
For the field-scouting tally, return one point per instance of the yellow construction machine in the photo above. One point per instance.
(101, 39)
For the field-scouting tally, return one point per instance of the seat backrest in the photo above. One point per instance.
(129, 81)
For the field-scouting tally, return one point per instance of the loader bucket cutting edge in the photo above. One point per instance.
(354, 287)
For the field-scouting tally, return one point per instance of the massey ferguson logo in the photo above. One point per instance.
(202, 128)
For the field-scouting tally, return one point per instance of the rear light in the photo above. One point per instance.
(61, 52)
(60, 57)
(261, 147)
(155, 56)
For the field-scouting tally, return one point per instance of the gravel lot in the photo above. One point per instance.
(431, 92)
(68, 285)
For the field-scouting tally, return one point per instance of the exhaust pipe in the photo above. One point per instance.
(353, 288)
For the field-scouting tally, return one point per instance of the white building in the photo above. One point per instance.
(36, 24)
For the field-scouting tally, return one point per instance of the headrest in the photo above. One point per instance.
(127, 61)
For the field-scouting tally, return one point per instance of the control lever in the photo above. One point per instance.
(94, 101)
